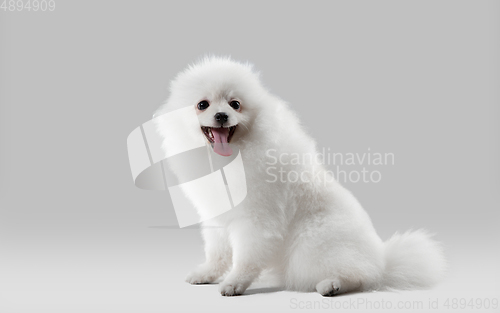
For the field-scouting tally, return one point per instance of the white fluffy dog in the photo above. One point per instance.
(312, 232)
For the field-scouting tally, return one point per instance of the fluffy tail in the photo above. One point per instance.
(413, 261)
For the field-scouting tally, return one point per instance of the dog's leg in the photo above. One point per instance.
(218, 257)
(253, 248)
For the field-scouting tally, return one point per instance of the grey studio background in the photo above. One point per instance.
(418, 79)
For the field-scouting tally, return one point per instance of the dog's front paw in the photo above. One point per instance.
(229, 289)
(201, 275)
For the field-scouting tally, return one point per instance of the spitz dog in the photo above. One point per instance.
(312, 233)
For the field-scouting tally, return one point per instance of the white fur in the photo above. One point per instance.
(315, 234)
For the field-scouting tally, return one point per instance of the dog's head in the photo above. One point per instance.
(219, 114)
(225, 95)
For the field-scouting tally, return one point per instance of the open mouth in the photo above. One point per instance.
(209, 132)
(219, 138)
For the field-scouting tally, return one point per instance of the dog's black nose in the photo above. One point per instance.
(221, 117)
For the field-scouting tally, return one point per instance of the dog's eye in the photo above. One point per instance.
(203, 105)
(235, 104)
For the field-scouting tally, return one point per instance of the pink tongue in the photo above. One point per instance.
(221, 146)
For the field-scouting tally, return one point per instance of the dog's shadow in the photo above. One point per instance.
(266, 290)
(269, 290)
(196, 226)
(263, 290)
(249, 292)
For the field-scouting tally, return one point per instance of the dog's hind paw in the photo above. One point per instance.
(328, 287)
